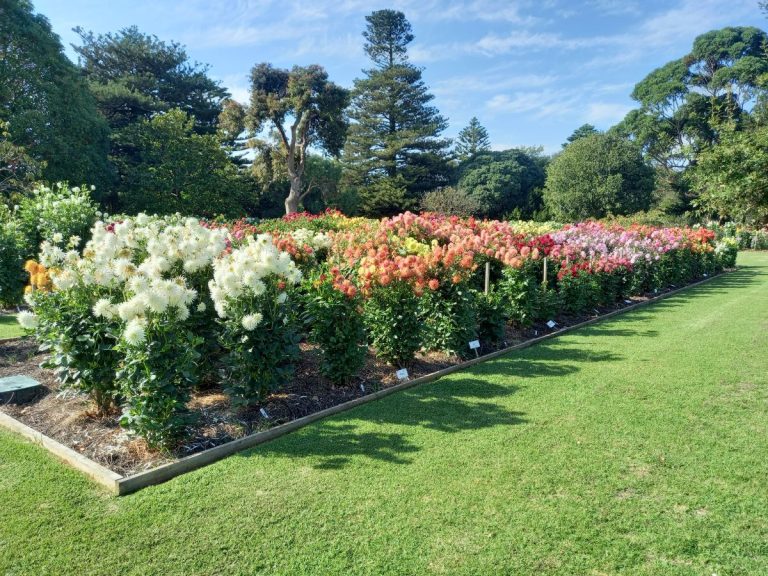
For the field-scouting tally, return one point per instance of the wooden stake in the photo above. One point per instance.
(544, 281)
(487, 277)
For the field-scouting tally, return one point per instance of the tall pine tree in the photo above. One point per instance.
(394, 152)
(472, 140)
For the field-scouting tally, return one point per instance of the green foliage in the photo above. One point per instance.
(336, 324)
(684, 103)
(17, 169)
(579, 292)
(385, 197)
(731, 177)
(523, 296)
(472, 140)
(395, 133)
(55, 214)
(260, 359)
(451, 201)
(596, 176)
(581, 132)
(492, 318)
(51, 116)
(449, 317)
(393, 323)
(12, 275)
(503, 181)
(173, 169)
(315, 107)
(156, 379)
(134, 76)
(80, 346)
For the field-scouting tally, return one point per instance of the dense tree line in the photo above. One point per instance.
(154, 132)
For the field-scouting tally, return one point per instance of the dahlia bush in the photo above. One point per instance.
(253, 290)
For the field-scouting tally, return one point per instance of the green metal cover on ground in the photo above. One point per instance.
(18, 389)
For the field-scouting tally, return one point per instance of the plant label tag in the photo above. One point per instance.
(402, 374)
(474, 345)
(362, 388)
(263, 413)
(705, 275)
(628, 301)
(551, 324)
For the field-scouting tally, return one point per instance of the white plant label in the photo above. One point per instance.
(402, 374)
(362, 388)
(263, 412)
(551, 324)
(474, 345)
(628, 301)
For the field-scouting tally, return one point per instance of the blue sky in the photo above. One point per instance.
(531, 71)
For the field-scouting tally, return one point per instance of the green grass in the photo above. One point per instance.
(635, 446)
(9, 328)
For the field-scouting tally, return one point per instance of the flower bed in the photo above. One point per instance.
(155, 313)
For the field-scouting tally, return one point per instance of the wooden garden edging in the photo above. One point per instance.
(120, 485)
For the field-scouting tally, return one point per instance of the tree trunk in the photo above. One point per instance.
(294, 196)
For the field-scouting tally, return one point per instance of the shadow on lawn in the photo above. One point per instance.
(741, 278)
(447, 406)
(450, 405)
(456, 404)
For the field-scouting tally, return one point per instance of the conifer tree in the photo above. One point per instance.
(472, 140)
(393, 147)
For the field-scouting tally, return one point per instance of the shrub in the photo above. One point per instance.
(449, 317)
(726, 251)
(158, 370)
(491, 318)
(250, 290)
(393, 322)
(579, 291)
(55, 214)
(11, 261)
(333, 308)
(596, 176)
(450, 201)
(80, 345)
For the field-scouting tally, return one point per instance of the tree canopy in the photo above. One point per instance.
(683, 103)
(581, 132)
(597, 176)
(303, 108)
(500, 182)
(49, 113)
(731, 178)
(135, 75)
(171, 169)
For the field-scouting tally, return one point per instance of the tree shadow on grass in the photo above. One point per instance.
(444, 406)
(461, 403)
(743, 277)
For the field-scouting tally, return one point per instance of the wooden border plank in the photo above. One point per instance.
(95, 471)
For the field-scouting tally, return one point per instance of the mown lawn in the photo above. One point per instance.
(636, 446)
(9, 328)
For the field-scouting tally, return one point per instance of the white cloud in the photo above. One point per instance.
(538, 104)
(606, 113)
